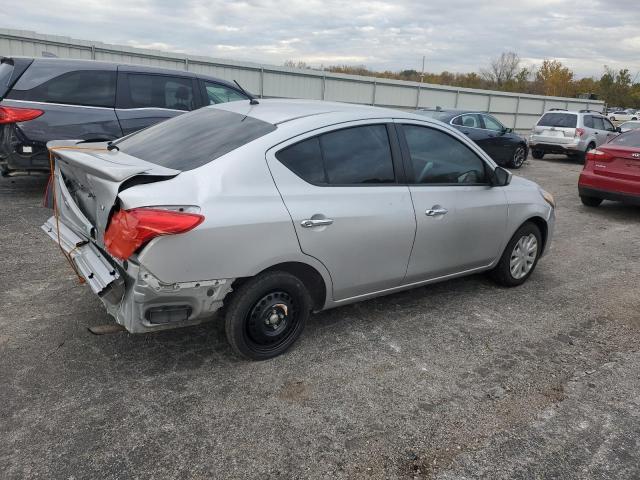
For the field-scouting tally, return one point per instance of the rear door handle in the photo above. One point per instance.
(320, 222)
(436, 211)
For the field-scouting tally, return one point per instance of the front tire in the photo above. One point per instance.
(537, 154)
(520, 257)
(519, 156)
(590, 201)
(266, 315)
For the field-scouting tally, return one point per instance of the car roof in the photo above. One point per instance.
(125, 67)
(277, 111)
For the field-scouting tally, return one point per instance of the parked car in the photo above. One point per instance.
(612, 172)
(572, 133)
(286, 208)
(623, 116)
(631, 125)
(46, 99)
(503, 146)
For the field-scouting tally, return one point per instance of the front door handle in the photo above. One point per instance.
(436, 211)
(319, 222)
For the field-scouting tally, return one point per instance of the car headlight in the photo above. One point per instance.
(548, 198)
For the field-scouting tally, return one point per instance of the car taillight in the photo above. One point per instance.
(598, 155)
(579, 132)
(130, 229)
(13, 115)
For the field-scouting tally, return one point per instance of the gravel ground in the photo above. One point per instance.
(453, 381)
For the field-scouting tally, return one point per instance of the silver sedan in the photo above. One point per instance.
(268, 212)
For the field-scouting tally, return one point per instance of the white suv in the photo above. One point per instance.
(570, 133)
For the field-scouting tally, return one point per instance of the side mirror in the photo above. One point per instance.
(618, 129)
(508, 130)
(501, 177)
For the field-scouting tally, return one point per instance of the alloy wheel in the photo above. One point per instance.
(519, 156)
(523, 256)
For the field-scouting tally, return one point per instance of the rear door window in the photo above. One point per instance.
(560, 120)
(160, 91)
(95, 88)
(358, 155)
(350, 156)
(305, 160)
(191, 140)
(598, 123)
(469, 120)
(588, 121)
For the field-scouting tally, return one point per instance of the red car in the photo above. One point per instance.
(612, 171)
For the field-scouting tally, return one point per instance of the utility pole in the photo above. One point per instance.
(422, 74)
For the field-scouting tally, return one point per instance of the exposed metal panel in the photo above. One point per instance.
(531, 105)
(473, 101)
(431, 97)
(555, 104)
(292, 86)
(394, 95)
(503, 104)
(348, 91)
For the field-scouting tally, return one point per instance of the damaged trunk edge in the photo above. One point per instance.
(87, 184)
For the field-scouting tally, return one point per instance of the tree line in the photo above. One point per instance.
(508, 73)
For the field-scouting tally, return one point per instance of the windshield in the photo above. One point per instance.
(628, 139)
(194, 139)
(566, 120)
(6, 69)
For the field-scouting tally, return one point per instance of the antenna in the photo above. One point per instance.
(252, 100)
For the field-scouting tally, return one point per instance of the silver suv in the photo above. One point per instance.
(570, 133)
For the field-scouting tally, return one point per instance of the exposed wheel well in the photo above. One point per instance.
(307, 274)
(541, 223)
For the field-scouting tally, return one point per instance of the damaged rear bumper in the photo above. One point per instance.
(134, 296)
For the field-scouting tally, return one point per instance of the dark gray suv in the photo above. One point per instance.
(46, 99)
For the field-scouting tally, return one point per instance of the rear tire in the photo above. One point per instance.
(537, 154)
(519, 157)
(266, 315)
(520, 257)
(590, 201)
(583, 156)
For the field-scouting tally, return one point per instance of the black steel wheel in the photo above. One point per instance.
(266, 315)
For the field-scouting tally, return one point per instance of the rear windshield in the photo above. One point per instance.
(628, 139)
(558, 120)
(6, 69)
(194, 139)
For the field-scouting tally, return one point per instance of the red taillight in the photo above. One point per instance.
(598, 155)
(13, 115)
(130, 229)
(579, 132)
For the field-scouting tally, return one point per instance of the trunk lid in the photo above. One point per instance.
(88, 179)
(623, 163)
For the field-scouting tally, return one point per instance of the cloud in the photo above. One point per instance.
(458, 36)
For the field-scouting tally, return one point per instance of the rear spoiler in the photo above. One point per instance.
(95, 159)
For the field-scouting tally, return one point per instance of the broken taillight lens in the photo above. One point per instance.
(13, 115)
(131, 229)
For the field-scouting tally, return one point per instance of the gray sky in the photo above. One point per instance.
(455, 35)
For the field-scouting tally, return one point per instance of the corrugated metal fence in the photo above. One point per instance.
(519, 111)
